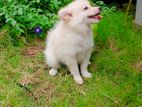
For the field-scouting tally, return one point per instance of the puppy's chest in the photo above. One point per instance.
(84, 43)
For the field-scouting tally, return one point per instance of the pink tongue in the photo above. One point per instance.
(98, 17)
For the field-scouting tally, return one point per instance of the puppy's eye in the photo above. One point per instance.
(85, 8)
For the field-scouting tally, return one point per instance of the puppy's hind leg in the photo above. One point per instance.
(52, 63)
(53, 72)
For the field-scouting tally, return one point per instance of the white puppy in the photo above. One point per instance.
(71, 42)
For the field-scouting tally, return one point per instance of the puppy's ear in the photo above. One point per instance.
(65, 14)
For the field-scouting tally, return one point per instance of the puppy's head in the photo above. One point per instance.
(80, 12)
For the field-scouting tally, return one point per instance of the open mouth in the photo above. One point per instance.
(96, 16)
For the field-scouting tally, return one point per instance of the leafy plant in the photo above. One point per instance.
(24, 16)
(106, 10)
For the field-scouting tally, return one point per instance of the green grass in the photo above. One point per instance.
(116, 65)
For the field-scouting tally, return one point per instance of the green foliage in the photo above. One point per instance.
(106, 10)
(23, 17)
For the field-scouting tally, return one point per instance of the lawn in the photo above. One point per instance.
(116, 65)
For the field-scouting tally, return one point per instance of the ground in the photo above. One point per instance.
(116, 65)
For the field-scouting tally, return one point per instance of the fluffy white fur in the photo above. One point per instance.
(70, 42)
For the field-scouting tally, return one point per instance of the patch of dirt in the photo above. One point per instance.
(32, 51)
(112, 44)
(45, 90)
(3, 32)
(37, 91)
(29, 79)
(36, 86)
(1, 88)
(138, 65)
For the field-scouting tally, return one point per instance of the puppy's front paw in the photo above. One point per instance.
(86, 74)
(53, 72)
(78, 80)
